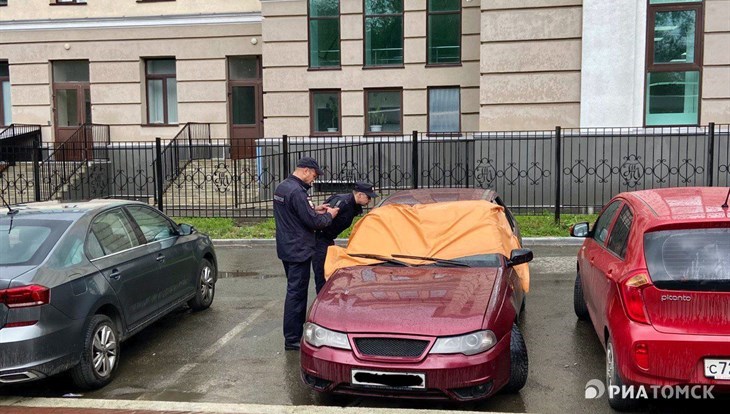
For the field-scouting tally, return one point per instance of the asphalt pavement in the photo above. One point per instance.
(233, 353)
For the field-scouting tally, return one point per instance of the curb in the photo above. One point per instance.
(526, 241)
(142, 407)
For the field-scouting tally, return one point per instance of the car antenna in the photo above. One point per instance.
(10, 210)
(725, 206)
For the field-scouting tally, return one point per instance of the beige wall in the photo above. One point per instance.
(530, 64)
(45, 9)
(287, 80)
(715, 104)
(117, 73)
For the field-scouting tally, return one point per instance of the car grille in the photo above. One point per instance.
(391, 347)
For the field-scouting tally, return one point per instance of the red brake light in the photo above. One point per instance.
(641, 355)
(26, 296)
(633, 299)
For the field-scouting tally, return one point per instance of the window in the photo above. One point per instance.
(383, 32)
(3, 2)
(620, 232)
(384, 114)
(600, 230)
(70, 2)
(444, 114)
(324, 33)
(674, 43)
(161, 91)
(444, 32)
(5, 106)
(325, 112)
(110, 233)
(154, 225)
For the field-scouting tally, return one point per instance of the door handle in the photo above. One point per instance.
(160, 258)
(115, 274)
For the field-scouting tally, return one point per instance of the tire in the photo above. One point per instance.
(204, 286)
(613, 378)
(518, 362)
(579, 301)
(100, 355)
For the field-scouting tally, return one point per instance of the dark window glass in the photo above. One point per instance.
(325, 111)
(242, 68)
(243, 99)
(324, 33)
(620, 232)
(71, 71)
(600, 230)
(161, 91)
(674, 36)
(444, 31)
(384, 111)
(27, 242)
(154, 225)
(383, 32)
(693, 255)
(114, 232)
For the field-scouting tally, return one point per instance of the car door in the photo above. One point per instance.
(609, 261)
(591, 251)
(176, 275)
(117, 249)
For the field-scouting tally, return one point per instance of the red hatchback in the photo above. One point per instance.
(654, 279)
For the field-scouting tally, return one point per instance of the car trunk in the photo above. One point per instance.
(432, 301)
(7, 274)
(690, 272)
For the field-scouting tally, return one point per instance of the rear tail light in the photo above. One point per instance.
(641, 355)
(26, 296)
(633, 299)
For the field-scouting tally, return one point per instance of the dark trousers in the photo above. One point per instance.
(320, 254)
(295, 306)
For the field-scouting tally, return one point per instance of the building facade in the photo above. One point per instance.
(361, 67)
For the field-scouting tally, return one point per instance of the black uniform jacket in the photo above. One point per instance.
(296, 221)
(348, 210)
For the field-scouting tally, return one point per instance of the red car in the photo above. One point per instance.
(443, 329)
(654, 279)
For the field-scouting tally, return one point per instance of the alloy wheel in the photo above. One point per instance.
(207, 284)
(104, 350)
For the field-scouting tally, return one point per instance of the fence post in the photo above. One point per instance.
(158, 173)
(558, 175)
(711, 154)
(285, 154)
(37, 157)
(414, 159)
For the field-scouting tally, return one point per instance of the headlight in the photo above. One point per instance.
(468, 344)
(317, 336)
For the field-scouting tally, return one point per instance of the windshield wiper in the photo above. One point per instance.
(379, 257)
(433, 259)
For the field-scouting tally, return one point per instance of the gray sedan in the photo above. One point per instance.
(77, 279)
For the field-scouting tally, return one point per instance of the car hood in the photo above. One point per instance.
(8, 273)
(433, 301)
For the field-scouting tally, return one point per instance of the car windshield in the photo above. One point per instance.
(478, 260)
(27, 242)
(688, 257)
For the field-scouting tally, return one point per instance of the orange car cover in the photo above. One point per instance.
(446, 230)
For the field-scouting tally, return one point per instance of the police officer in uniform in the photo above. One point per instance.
(296, 221)
(350, 205)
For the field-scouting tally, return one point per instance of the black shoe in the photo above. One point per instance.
(291, 347)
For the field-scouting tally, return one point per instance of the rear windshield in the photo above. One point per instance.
(692, 256)
(27, 242)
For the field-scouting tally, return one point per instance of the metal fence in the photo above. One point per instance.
(536, 172)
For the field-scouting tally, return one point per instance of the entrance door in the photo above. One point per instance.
(71, 97)
(245, 103)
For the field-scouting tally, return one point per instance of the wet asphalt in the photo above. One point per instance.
(233, 352)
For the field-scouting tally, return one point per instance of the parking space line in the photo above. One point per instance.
(217, 346)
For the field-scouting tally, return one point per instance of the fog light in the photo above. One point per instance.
(641, 355)
(473, 392)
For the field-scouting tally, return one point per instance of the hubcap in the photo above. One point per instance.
(206, 283)
(104, 350)
(609, 365)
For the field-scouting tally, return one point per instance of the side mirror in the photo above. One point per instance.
(519, 256)
(185, 229)
(580, 229)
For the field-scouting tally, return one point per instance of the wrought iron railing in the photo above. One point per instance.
(191, 142)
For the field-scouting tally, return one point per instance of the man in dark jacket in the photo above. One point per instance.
(350, 206)
(296, 221)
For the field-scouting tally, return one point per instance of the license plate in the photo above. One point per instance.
(401, 380)
(717, 369)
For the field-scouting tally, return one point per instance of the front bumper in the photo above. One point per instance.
(673, 359)
(457, 377)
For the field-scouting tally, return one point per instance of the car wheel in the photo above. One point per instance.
(100, 355)
(518, 361)
(205, 287)
(613, 379)
(579, 301)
